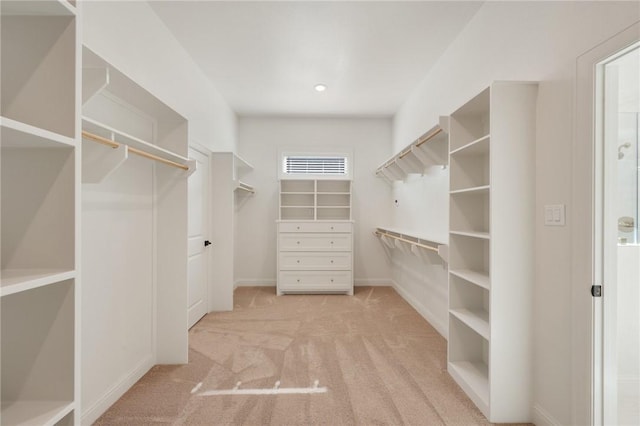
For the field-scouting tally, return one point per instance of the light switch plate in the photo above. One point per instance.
(554, 215)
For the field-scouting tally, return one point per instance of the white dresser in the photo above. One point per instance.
(315, 255)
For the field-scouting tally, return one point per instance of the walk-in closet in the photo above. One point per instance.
(319, 212)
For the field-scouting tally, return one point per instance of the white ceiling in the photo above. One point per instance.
(265, 57)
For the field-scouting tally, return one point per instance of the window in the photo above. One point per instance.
(315, 165)
(306, 165)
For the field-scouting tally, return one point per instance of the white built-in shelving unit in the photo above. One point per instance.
(430, 149)
(315, 236)
(491, 249)
(134, 232)
(310, 199)
(39, 276)
(231, 191)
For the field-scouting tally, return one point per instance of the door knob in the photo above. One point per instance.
(207, 243)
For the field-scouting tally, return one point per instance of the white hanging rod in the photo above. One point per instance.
(113, 144)
(417, 143)
(381, 233)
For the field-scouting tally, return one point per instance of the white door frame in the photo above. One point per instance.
(586, 238)
(197, 146)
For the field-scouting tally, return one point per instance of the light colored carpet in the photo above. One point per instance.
(381, 362)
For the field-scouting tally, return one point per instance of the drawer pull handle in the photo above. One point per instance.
(297, 242)
(331, 260)
(298, 280)
(297, 261)
(331, 279)
(331, 242)
(297, 227)
(332, 228)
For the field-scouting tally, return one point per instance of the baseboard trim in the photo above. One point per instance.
(268, 282)
(542, 417)
(373, 282)
(368, 282)
(422, 310)
(91, 414)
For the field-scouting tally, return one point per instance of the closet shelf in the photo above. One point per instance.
(473, 377)
(430, 149)
(480, 235)
(476, 189)
(474, 277)
(477, 147)
(475, 319)
(245, 187)
(35, 412)
(16, 134)
(38, 8)
(17, 280)
(411, 244)
(101, 133)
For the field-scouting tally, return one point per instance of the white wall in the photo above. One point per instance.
(537, 41)
(132, 38)
(258, 142)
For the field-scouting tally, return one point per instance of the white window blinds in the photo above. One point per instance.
(315, 165)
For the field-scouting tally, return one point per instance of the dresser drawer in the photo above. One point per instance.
(315, 281)
(315, 226)
(314, 242)
(315, 260)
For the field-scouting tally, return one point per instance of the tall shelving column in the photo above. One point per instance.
(491, 249)
(39, 287)
(229, 192)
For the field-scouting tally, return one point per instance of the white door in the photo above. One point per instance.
(198, 228)
(620, 75)
(599, 155)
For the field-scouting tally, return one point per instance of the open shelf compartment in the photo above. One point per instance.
(468, 253)
(468, 362)
(38, 215)
(469, 212)
(470, 304)
(38, 372)
(470, 122)
(38, 73)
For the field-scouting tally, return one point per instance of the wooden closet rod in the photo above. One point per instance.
(380, 233)
(141, 153)
(430, 136)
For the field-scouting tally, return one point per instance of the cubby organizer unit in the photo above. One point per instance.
(40, 188)
(430, 149)
(315, 237)
(315, 199)
(427, 250)
(491, 206)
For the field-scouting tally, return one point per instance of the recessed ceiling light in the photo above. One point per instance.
(320, 87)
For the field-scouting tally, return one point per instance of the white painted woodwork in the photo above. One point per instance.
(315, 255)
(198, 226)
(39, 274)
(134, 230)
(228, 172)
(491, 249)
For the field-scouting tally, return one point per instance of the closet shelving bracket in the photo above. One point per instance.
(427, 250)
(430, 149)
